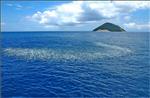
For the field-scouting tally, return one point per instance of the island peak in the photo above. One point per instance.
(109, 27)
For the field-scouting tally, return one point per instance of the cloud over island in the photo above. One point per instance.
(80, 12)
(74, 15)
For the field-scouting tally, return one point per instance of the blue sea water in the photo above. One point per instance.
(75, 64)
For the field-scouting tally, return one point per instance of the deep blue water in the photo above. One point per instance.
(75, 64)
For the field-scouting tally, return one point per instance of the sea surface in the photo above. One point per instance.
(75, 64)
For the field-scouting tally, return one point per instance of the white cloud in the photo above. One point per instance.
(17, 6)
(127, 18)
(2, 23)
(133, 25)
(78, 12)
(10, 4)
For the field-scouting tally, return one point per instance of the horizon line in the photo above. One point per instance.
(65, 31)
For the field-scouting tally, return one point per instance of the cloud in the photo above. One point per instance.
(127, 18)
(133, 25)
(17, 6)
(79, 12)
(10, 4)
(2, 23)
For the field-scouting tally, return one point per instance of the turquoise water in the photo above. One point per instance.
(75, 64)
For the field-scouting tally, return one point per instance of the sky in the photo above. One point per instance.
(74, 15)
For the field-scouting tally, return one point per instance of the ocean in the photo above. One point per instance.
(75, 64)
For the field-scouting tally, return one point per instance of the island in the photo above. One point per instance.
(109, 27)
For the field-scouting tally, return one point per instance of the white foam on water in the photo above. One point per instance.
(114, 50)
(62, 54)
(113, 47)
(36, 53)
(50, 54)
